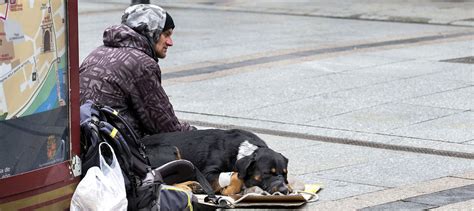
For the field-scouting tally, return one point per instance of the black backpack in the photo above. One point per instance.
(143, 183)
(101, 123)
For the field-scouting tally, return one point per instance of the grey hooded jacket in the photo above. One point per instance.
(124, 75)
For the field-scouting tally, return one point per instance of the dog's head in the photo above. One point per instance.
(266, 169)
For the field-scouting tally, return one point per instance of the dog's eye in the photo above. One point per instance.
(269, 174)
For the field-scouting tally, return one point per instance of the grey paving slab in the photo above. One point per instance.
(275, 86)
(462, 60)
(360, 60)
(414, 68)
(463, 75)
(455, 99)
(465, 205)
(324, 104)
(398, 90)
(91, 27)
(330, 66)
(400, 170)
(450, 50)
(431, 200)
(446, 196)
(433, 52)
(88, 7)
(310, 85)
(333, 189)
(453, 128)
(294, 82)
(426, 143)
(330, 132)
(400, 205)
(313, 159)
(285, 144)
(216, 100)
(384, 117)
(466, 175)
(307, 109)
(236, 35)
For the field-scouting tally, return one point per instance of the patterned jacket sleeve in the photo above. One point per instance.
(152, 105)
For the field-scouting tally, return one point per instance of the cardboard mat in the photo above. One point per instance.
(253, 199)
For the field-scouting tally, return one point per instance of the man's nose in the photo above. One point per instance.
(169, 42)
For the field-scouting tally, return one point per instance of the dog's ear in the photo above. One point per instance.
(286, 167)
(286, 160)
(243, 164)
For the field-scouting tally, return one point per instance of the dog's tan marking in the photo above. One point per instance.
(234, 187)
(274, 170)
(285, 171)
(257, 177)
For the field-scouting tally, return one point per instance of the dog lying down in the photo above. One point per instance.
(229, 159)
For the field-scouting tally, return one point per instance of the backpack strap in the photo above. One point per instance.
(181, 170)
(130, 135)
(114, 115)
(211, 196)
(111, 134)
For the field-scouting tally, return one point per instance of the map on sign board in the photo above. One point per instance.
(33, 57)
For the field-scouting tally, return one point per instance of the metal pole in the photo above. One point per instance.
(140, 2)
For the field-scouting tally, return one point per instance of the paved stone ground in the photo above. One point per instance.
(376, 111)
(445, 12)
(451, 12)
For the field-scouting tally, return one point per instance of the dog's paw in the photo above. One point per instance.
(196, 187)
(230, 190)
(183, 186)
(191, 186)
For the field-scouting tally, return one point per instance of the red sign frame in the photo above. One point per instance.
(58, 175)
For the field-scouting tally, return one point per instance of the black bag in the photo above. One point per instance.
(101, 123)
(142, 183)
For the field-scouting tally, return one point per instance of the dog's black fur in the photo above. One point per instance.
(215, 151)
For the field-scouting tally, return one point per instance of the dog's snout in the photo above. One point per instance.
(279, 186)
(283, 189)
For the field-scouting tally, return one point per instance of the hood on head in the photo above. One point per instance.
(146, 19)
(124, 36)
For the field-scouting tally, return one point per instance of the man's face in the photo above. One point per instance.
(165, 41)
(51, 147)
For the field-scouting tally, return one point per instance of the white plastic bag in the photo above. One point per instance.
(102, 188)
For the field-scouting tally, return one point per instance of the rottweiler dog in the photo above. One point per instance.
(229, 159)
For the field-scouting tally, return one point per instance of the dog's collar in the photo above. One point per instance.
(246, 149)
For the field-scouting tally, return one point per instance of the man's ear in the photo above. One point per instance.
(243, 164)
